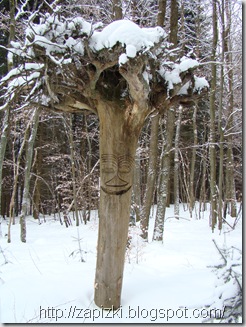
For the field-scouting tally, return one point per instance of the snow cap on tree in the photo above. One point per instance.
(63, 53)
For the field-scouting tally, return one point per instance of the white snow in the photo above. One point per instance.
(200, 83)
(44, 280)
(170, 72)
(131, 51)
(187, 63)
(22, 68)
(20, 80)
(172, 77)
(126, 33)
(123, 59)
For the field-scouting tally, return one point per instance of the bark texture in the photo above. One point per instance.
(118, 141)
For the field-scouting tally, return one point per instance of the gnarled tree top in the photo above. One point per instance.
(69, 64)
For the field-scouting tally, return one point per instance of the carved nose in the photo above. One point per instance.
(116, 181)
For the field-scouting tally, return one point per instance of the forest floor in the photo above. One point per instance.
(50, 279)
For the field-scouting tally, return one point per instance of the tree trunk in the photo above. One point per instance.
(161, 12)
(38, 171)
(204, 159)
(89, 183)
(230, 182)
(72, 158)
(29, 156)
(220, 127)
(5, 126)
(173, 37)
(118, 141)
(15, 180)
(176, 164)
(212, 149)
(164, 177)
(117, 10)
(136, 192)
(151, 177)
(193, 162)
(3, 144)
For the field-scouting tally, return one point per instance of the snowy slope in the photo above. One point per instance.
(44, 280)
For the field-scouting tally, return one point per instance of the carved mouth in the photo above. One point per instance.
(114, 191)
(116, 181)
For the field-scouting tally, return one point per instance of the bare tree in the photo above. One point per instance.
(5, 125)
(28, 165)
(230, 183)
(176, 163)
(151, 177)
(164, 176)
(212, 139)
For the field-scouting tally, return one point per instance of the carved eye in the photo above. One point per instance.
(108, 170)
(124, 169)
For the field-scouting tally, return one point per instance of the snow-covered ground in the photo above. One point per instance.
(50, 279)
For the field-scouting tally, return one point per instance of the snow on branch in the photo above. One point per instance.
(68, 55)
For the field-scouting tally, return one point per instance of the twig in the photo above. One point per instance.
(177, 217)
(227, 223)
(34, 262)
(222, 255)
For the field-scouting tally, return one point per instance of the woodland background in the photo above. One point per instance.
(187, 154)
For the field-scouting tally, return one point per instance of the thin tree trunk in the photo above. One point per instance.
(151, 177)
(212, 140)
(136, 192)
(220, 127)
(38, 171)
(163, 194)
(3, 144)
(202, 200)
(72, 157)
(230, 182)
(176, 164)
(117, 10)
(193, 161)
(5, 126)
(174, 23)
(15, 182)
(164, 176)
(161, 12)
(29, 157)
(89, 186)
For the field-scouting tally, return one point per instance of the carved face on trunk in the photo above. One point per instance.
(116, 173)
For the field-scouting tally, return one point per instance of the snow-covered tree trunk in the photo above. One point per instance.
(29, 156)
